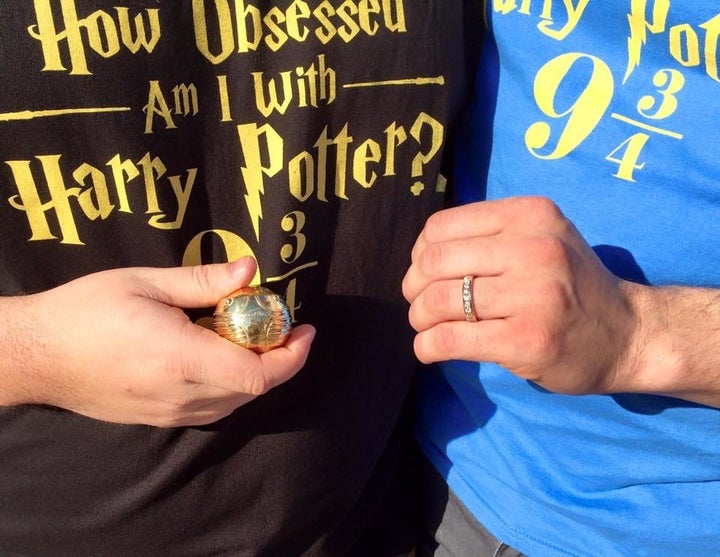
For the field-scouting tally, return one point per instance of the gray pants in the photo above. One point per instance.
(449, 530)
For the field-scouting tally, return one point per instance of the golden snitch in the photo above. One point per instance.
(253, 317)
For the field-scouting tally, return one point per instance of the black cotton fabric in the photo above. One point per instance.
(308, 134)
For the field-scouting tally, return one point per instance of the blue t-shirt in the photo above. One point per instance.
(611, 109)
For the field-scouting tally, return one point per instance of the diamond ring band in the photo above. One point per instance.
(467, 298)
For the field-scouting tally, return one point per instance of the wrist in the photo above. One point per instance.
(675, 346)
(652, 360)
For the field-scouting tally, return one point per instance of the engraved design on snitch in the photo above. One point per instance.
(253, 317)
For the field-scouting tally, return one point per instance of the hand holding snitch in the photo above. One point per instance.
(253, 317)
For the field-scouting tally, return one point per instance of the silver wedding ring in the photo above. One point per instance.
(467, 298)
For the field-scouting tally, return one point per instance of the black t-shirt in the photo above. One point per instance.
(309, 134)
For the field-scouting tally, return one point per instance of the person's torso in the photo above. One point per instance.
(612, 110)
(306, 134)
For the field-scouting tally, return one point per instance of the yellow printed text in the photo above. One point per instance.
(242, 27)
(68, 39)
(53, 198)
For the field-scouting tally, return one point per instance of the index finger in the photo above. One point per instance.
(482, 218)
(485, 219)
(220, 363)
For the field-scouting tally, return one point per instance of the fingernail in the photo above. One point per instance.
(239, 266)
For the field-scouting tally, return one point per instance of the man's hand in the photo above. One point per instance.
(549, 311)
(547, 308)
(116, 346)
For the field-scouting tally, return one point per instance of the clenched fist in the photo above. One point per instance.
(548, 310)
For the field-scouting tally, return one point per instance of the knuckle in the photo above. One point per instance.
(201, 277)
(407, 290)
(442, 342)
(434, 225)
(438, 299)
(445, 340)
(258, 384)
(432, 305)
(431, 259)
(549, 252)
(556, 296)
(415, 317)
(551, 248)
(547, 215)
(542, 209)
(540, 342)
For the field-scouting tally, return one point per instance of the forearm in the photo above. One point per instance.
(21, 351)
(675, 350)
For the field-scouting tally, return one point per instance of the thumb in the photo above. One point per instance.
(200, 285)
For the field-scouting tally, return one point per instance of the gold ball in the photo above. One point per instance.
(253, 317)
